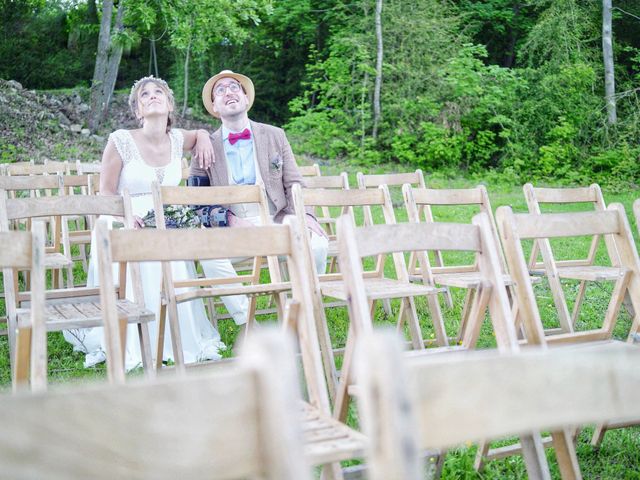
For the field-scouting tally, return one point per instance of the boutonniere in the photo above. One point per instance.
(276, 164)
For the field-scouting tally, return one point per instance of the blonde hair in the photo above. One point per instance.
(133, 97)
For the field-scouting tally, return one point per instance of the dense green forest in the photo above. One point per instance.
(503, 88)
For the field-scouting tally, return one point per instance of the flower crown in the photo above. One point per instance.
(139, 83)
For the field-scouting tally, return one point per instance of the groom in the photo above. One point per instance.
(249, 153)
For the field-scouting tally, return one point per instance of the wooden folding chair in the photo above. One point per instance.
(408, 404)
(327, 441)
(582, 269)
(240, 422)
(23, 250)
(34, 186)
(514, 228)
(378, 285)
(77, 307)
(310, 170)
(228, 195)
(419, 203)
(355, 243)
(415, 179)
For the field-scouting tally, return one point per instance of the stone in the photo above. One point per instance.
(85, 131)
(14, 84)
(62, 118)
(83, 107)
(98, 138)
(76, 128)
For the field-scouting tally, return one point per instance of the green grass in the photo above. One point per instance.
(619, 455)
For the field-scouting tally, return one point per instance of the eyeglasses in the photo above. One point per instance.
(220, 90)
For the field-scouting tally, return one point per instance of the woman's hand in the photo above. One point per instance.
(137, 222)
(314, 226)
(203, 149)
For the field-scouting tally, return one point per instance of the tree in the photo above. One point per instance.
(107, 62)
(379, 57)
(607, 55)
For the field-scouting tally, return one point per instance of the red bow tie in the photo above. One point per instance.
(243, 135)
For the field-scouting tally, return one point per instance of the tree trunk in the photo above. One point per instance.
(607, 54)
(378, 84)
(186, 77)
(100, 70)
(113, 64)
(153, 57)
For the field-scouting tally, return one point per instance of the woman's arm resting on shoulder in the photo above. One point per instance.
(199, 141)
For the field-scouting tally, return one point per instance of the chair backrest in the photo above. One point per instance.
(145, 245)
(310, 170)
(347, 201)
(390, 179)
(24, 250)
(237, 422)
(419, 203)
(323, 213)
(514, 228)
(356, 243)
(537, 198)
(409, 404)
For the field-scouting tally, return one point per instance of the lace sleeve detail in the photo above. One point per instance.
(177, 143)
(121, 139)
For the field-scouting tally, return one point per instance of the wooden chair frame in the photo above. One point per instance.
(418, 203)
(612, 222)
(310, 170)
(73, 307)
(378, 286)
(237, 422)
(358, 242)
(225, 195)
(576, 269)
(555, 390)
(327, 441)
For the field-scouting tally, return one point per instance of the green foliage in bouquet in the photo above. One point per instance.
(175, 216)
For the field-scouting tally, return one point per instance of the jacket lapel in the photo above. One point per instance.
(260, 143)
(219, 175)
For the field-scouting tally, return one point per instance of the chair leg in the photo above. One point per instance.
(466, 310)
(566, 455)
(145, 349)
(578, 302)
(22, 358)
(162, 325)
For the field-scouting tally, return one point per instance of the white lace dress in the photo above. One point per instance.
(200, 340)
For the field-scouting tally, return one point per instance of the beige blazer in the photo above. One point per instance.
(275, 160)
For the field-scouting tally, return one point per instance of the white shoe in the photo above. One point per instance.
(211, 351)
(94, 358)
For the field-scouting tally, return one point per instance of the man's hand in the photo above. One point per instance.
(203, 150)
(238, 221)
(314, 226)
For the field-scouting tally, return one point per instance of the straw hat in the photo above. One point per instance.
(246, 83)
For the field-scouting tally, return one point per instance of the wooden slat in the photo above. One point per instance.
(593, 273)
(519, 385)
(222, 195)
(377, 239)
(251, 290)
(430, 196)
(375, 180)
(329, 181)
(27, 182)
(379, 288)
(338, 198)
(64, 205)
(552, 225)
(146, 245)
(565, 195)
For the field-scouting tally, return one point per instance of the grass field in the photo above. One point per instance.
(619, 456)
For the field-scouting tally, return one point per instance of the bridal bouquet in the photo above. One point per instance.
(175, 216)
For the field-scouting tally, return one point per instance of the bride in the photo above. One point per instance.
(132, 160)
